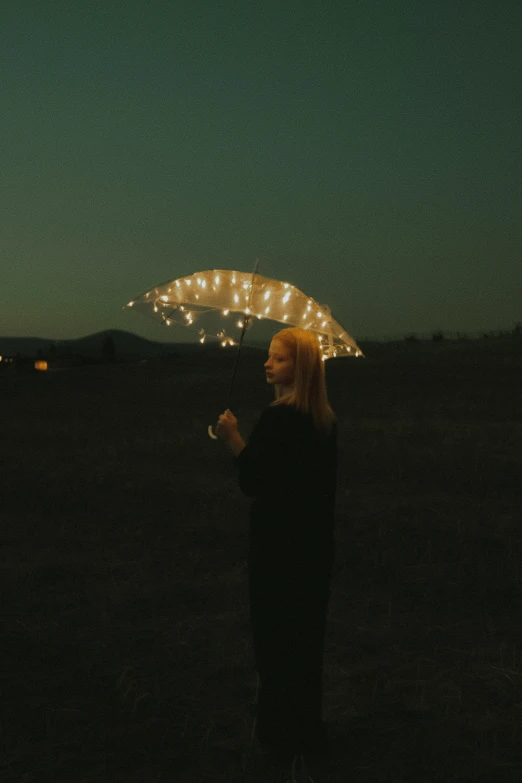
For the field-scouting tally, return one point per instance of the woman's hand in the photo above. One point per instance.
(227, 426)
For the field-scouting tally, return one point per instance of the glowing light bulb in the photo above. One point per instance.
(236, 298)
(165, 298)
(216, 279)
(226, 312)
(267, 295)
(131, 304)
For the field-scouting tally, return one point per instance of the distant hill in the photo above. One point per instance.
(126, 344)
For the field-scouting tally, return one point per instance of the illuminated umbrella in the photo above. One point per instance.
(224, 292)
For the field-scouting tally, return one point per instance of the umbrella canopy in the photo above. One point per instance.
(189, 300)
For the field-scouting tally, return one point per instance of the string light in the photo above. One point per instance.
(284, 303)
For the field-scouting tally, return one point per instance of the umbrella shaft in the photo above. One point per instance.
(245, 324)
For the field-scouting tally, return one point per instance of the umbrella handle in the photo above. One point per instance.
(211, 434)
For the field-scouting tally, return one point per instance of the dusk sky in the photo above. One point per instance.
(369, 153)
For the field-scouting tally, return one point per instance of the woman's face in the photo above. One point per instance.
(280, 365)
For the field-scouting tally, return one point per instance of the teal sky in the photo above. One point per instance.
(367, 152)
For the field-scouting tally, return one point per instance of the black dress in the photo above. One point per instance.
(290, 470)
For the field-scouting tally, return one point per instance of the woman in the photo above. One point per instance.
(289, 467)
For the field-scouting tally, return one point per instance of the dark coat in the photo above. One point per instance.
(291, 472)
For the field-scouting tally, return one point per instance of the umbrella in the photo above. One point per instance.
(187, 300)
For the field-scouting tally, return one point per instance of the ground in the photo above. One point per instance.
(126, 652)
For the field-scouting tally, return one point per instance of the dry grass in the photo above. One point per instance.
(126, 649)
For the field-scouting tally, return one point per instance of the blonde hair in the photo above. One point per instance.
(309, 393)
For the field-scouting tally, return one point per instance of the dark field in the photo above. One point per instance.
(126, 653)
